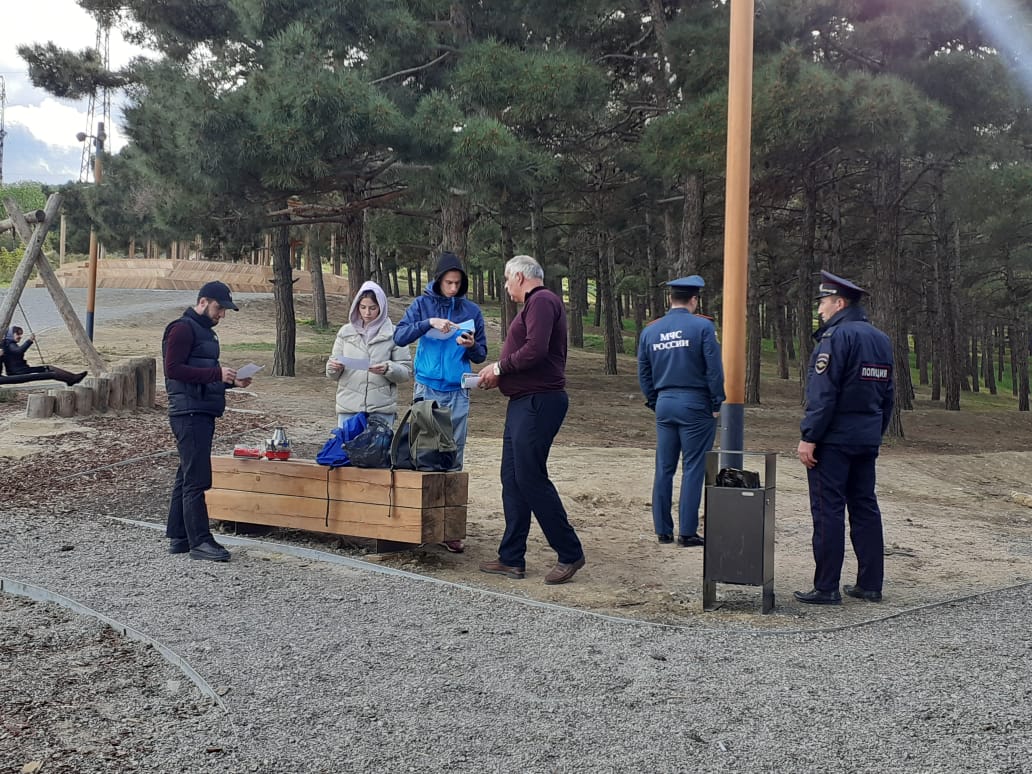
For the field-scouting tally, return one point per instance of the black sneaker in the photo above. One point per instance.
(815, 597)
(859, 593)
(690, 541)
(211, 551)
(178, 545)
(665, 538)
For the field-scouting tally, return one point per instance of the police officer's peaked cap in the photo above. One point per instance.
(836, 286)
(693, 282)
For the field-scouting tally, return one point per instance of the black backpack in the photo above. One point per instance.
(424, 439)
(372, 447)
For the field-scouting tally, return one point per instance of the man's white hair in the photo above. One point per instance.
(525, 265)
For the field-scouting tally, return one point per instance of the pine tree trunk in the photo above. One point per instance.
(936, 391)
(283, 295)
(335, 250)
(805, 284)
(456, 219)
(578, 300)
(973, 362)
(508, 306)
(353, 239)
(987, 358)
(652, 276)
(670, 233)
(782, 336)
(322, 320)
(690, 256)
(1001, 368)
(607, 302)
(1012, 337)
(1019, 345)
(888, 309)
(754, 338)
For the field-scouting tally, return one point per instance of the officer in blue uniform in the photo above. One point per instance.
(849, 397)
(682, 378)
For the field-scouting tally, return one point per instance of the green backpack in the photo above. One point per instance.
(424, 439)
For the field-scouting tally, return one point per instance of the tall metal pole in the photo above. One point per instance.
(91, 286)
(736, 223)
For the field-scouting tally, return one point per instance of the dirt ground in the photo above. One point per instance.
(955, 494)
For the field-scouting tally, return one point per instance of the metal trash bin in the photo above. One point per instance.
(739, 530)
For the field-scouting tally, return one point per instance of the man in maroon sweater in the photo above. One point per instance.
(196, 384)
(531, 372)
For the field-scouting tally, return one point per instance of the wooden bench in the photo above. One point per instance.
(398, 509)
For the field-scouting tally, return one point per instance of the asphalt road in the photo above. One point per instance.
(112, 304)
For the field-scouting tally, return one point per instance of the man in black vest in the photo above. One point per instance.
(196, 386)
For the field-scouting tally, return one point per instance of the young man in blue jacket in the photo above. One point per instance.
(443, 356)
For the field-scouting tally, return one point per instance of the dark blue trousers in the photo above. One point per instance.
(845, 478)
(531, 424)
(686, 434)
(187, 511)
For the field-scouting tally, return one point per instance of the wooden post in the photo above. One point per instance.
(46, 273)
(115, 399)
(39, 406)
(101, 386)
(127, 376)
(32, 247)
(83, 400)
(64, 405)
(61, 243)
(145, 369)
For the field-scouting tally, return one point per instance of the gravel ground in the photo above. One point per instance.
(328, 668)
(323, 667)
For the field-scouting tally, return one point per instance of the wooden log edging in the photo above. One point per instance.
(129, 386)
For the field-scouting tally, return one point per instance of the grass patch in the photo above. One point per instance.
(329, 330)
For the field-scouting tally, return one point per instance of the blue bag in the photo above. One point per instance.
(333, 453)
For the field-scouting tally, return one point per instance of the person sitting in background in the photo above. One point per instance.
(369, 336)
(12, 356)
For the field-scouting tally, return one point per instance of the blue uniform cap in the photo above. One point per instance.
(693, 282)
(836, 286)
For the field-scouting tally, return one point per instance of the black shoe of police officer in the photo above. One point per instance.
(859, 593)
(690, 541)
(178, 545)
(665, 538)
(815, 597)
(211, 551)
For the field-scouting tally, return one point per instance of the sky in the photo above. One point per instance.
(40, 143)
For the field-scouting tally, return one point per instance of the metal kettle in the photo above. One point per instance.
(279, 441)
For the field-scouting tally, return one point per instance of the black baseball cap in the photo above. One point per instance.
(218, 291)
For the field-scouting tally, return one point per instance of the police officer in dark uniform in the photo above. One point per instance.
(849, 397)
(682, 378)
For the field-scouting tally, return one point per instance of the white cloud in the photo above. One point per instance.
(52, 121)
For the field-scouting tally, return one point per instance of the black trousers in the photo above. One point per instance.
(844, 478)
(187, 510)
(531, 424)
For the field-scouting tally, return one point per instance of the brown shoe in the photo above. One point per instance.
(497, 568)
(563, 572)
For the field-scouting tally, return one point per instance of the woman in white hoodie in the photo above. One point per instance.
(369, 337)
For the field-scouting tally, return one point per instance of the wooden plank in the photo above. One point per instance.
(403, 506)
(361, 520)
(304, 478)
(456, 488)
(454, 522)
